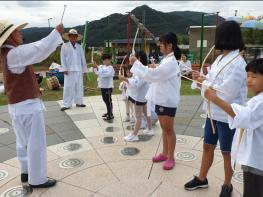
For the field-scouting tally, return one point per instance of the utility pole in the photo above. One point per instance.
(48, 20)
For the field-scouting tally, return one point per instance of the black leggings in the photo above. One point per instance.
(253, 185)
(106, 96)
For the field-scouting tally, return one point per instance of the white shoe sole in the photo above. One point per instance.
(150, 134)
(197, 187)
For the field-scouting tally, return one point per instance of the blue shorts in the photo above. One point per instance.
(165, 111)
(222, 133)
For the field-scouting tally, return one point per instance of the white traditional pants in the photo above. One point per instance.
(31, 146)
(73, 88)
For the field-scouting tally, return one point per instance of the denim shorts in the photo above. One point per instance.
(165, 111)
(222, 133)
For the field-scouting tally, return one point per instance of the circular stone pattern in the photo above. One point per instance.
(108, 140)
(181, 140)
(185, 156)
(238, 177)
(3, 130)
(72, 147)
(71, 163)
(3, 174)
(130, 127)
(144, 137)
(130, 151)
(112, 129)
(18, 191)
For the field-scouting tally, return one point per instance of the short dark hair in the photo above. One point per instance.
(228, 36)
(255, 66)
(143, 57)
(171, 38)
(106, 56)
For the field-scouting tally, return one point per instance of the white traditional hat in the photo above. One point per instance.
(6, 29)
(72, 32)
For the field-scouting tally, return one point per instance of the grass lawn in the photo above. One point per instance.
(91, 82)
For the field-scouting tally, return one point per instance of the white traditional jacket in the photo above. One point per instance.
(165, 81)
(105, 76)
(73, 58)
(231, 81)
(250, 118)
(138, 88)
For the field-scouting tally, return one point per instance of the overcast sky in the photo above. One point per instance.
(77, 12)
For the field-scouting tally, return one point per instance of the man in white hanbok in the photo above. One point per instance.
(24, 104)
(74, 65)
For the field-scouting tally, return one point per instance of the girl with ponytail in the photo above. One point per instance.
(164, 92)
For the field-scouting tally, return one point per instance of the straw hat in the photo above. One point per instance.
(72, 32)
(6, 29)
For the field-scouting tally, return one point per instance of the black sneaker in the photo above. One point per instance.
(109, 117)
(195, 183)
(104, 115)
(80, 105)
(226, 191)
(24, 178)
(50, 183)
(64, 108)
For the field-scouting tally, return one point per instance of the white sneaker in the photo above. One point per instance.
(132, 120)
(126, 119)
(148, 132)
(131, 137)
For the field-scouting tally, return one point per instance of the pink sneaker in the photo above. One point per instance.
(159, 158)
(168, 164)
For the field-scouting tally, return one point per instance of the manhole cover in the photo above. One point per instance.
(72, 147)
(112, 129)
(203, 116)
(144, 137)
(108, 140)
(130, 151)
(3, 130)
(130, 127)
(238, 177)
(181, 140)
(71, 163)
(18, 191)
(3, 174)
(185, 156)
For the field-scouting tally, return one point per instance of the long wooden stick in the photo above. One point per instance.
(207, 55)
(203, 84)
(63, 13)
(134, 41)
(120, 71)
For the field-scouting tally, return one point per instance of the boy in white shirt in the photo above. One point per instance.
(247, 146)
(105, 74)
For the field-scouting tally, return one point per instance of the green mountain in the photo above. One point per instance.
(114, 26)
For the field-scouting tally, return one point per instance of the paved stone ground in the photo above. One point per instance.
(85, 166)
